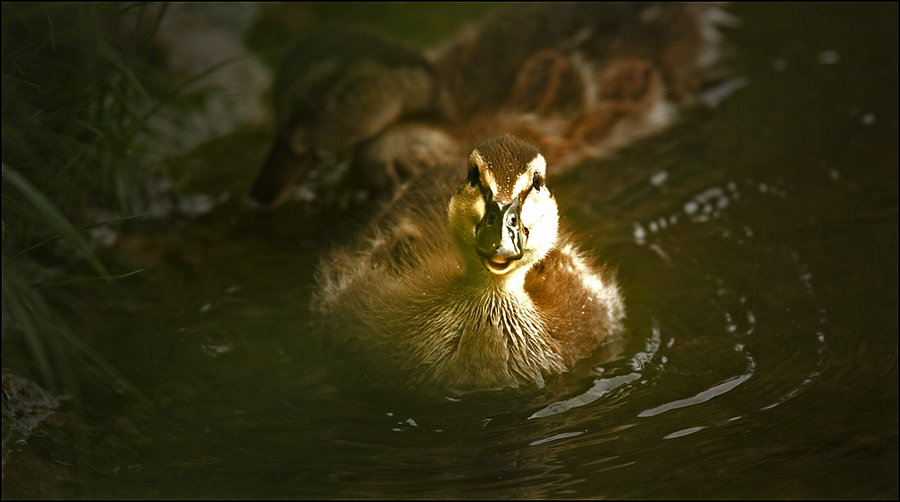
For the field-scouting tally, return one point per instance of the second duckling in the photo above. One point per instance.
(485, 291)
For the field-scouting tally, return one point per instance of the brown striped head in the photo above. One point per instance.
(503, 217)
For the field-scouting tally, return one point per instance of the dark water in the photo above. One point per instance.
(757, 246)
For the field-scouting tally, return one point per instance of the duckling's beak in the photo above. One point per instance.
(500, 236)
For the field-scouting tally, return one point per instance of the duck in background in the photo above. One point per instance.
(578, 80)
(338, 90)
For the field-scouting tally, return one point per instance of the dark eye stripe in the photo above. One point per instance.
(474, 176)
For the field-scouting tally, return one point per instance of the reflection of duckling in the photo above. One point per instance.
(484, 294)
(575, 79)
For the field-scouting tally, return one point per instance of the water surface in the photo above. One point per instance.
(756, 243)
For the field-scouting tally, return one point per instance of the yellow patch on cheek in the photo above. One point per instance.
(466, 211)
(476, 213)
(478, 207)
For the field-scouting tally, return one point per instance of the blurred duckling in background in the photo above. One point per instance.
(575, 79)
(580, 79)
(484, 292)
(339, 88)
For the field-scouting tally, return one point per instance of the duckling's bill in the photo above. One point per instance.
(500, 236)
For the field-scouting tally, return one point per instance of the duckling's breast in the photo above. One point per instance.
(475, 338)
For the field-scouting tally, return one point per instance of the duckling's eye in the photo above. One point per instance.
(537, 181)
(474, 176)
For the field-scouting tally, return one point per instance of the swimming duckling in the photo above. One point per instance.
(576, 79)
(484, 292)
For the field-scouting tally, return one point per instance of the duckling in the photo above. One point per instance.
(337, 89)
(483, 292)
(578, 80)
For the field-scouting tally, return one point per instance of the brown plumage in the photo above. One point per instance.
(444, 296)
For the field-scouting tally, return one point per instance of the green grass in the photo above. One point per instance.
(74, 100)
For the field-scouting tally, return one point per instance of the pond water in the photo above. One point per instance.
(757, 247)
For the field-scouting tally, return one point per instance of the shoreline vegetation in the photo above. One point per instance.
(108, 111)
(71, 117)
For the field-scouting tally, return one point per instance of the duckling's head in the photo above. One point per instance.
(503, 218)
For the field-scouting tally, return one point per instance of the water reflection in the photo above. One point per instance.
(600, 388)
(704, 396)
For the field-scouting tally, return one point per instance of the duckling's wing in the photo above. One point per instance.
(581, 301)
